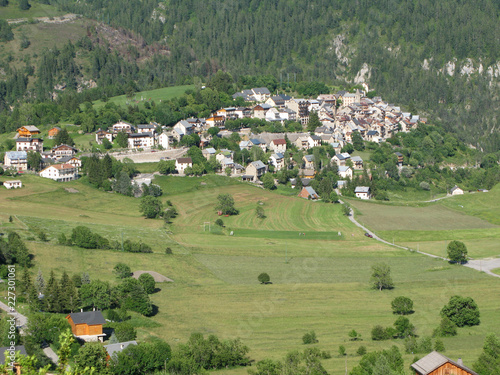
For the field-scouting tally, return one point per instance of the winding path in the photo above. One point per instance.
(483, 265)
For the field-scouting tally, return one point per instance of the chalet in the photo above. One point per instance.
(101, 134)
(208, 152)
(63, 150)
(278, 161)
(217, 121)
(362, 192)
(7, 360)
(13, 184)
(118, 347)
(123, 126)
(357, 162)
(278, 145)
(308, 161)
(59, 172)
(276, 101)
(308, 193)
(54, 132)
(73, 160)
(314, 141)
(254, 171)
(27, 131)
(243, 112)
(146, 128)
(259, 111)
(340, 159)
(345, 172)
(435, 363)
(455, 190)
(227, 113)
(87, 325)
(182, 163)
(141, 140)
(29, 144)
(183, 128)
(400, 157)
(17, 160)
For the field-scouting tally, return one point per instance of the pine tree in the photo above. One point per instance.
(52, 298)
(40, 282)
(25, 283)
(18, 250)
(33, 300)
(66, 285)
(107, 166)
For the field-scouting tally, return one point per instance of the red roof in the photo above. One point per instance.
(63, 166)
(279, 142)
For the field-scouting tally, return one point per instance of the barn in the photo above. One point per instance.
(437, 364)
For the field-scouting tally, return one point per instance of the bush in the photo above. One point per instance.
(361, 350)
(439, 346)
(457, 252)
(148, 282)
(122, 271)
(264, 278)
(446, 328)
(219, 222)
(151, 207)
(309, 338)
(425, 186)
(462, 311)
(380, 333)
(402, 306)
(125, 332)
(168, 251)
(342, 351)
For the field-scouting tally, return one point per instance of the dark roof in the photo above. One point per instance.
(398, 154)
(19, 348)
(184, 160)
(433, 361)
(88, 317)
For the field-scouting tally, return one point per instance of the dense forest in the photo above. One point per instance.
(413, 52)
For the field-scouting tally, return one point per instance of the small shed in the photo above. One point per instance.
(362, 192)
(13, 184)
(308, 193)
(87, 325)
(437, 364)
(455, 190)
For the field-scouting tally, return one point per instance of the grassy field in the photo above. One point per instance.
(12, 11)
(320, 279)
(140, 98)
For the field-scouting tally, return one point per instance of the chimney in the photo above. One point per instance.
(460, 362)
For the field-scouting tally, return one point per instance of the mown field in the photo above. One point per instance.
(471, 218)
(320, 279)
(142, 97)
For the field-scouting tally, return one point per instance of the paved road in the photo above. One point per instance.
(149, 156)
(22, 321)
(20, 318)
(484, 265)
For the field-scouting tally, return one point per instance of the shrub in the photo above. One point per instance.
(125, 332)
(148, 282)
(425, 186)
(309, 338)
(462, 311)
(168, 251)
(402, 305)
(122, 271)
(353, 335)
(219, 222)
(380, 333)
(342, 351)
(446, 328)
(264, 278)
(439, 346)
(361, 350)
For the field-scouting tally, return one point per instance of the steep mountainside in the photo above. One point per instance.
(437, 58)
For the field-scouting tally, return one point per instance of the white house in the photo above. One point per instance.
(182, 163)
(29, 144)
(340, 159)
(455, 190)
(261, 94)
(183, 128)
(122, 126)
(17, 160)
(101, 134)
(59, 172)
(13, 184)
(362, 192)
(345, 172)
(278, 145)
(278, 161)
(314, 141)
(141, 140)
(61, 151)
(164, 140)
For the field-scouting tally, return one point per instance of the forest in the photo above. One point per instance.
(293, 41)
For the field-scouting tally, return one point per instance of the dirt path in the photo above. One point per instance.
(483, 265)
(58, 19)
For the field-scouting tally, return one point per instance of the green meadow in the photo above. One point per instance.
(320, 280)
(142, 97)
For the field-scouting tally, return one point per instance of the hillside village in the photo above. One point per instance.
(339, 117)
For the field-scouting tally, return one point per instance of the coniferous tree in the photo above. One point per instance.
(25, 283)
(40, 282)
(52, 297)
(107, 166)
(24, 5)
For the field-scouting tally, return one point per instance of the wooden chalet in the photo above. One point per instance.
(437, 364)
(87, 325)
(28, 131)
(54, 132)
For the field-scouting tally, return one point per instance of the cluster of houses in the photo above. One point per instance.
(58, 164)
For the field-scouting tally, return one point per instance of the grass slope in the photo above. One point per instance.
(12, 11)
(140, 98)
(320, 280)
